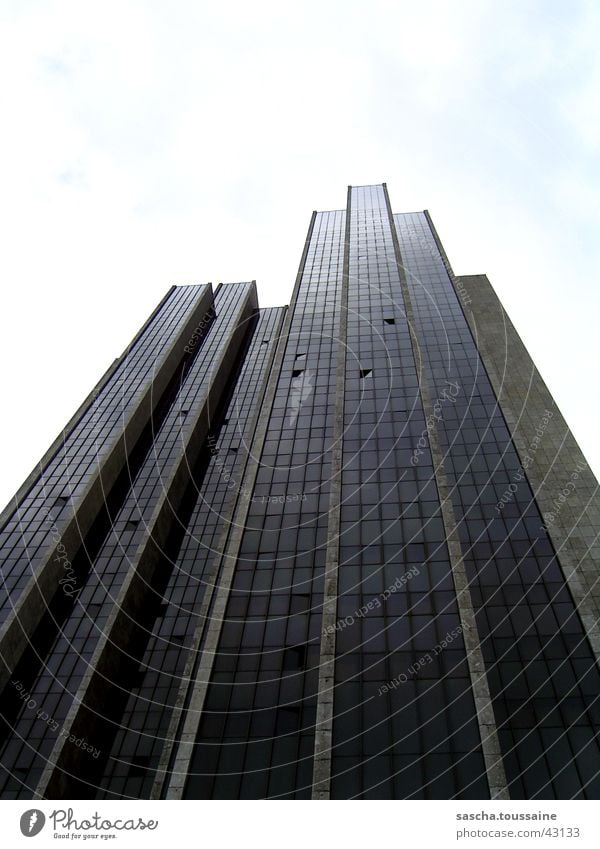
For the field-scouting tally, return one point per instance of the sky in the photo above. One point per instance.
(146, 144)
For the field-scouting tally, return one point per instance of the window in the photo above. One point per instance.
(294, 658)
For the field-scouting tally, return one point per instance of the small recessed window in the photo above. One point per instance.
(365, 372)
(300, 603)
(301, 355)
(137, 678)
(139, 765)
(297, 372)
(294, 658)
(390, 320)
(288, 719)
(61, 501)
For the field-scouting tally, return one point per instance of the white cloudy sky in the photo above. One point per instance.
(150, 143)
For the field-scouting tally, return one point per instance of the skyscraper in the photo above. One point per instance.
(344, 549)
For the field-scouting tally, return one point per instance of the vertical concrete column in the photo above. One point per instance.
(562, 483)
(321, 788)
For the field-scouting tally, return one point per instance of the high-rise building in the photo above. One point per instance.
(344, 549)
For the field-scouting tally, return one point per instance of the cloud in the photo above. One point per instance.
(146, 145)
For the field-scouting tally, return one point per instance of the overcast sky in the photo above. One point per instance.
(150, 143)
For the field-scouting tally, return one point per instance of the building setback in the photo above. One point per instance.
(343, 549)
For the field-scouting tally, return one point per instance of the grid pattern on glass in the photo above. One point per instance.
(541, 672)
(138, 744)
(404, 721)
(27, 534)
(256, 735)
(25, 753)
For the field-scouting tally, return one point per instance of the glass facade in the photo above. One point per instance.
(404, 724)
(28, 532)
(256, 736)
(68, 645)
(542, 673)
(143, 725)
(319, 477)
